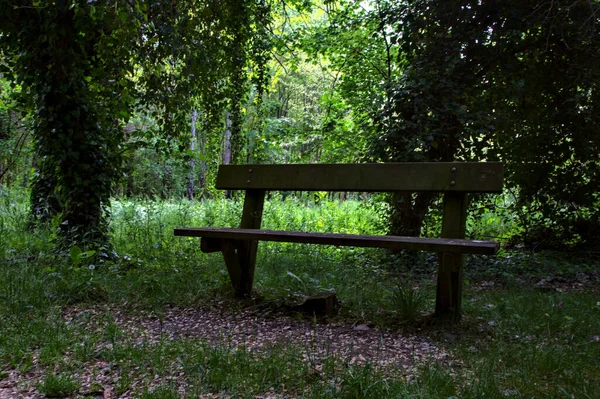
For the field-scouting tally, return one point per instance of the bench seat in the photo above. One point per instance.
(446, 245)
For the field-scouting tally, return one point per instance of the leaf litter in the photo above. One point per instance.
(395, 353)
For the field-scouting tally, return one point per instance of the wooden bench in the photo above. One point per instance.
(454, 180)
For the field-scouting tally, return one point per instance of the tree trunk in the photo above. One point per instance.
(408, 211)
(227, 149)
(190, 188)
(129, 184)
(26, 172)
(76, 139)
(45, 203)
(202, 178)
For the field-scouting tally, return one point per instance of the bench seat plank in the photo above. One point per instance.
(447, 245)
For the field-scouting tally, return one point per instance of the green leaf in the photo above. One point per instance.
(75, 253)
(297, 278)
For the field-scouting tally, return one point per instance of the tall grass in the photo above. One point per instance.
(146, 223)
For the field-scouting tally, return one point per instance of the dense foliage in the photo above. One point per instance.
(149, 97)
(470, 80)
(85, 65)
(514, 81)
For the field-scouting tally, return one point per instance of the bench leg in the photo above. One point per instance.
(230, 254)
(247, 260)
(449, 286)
(240, 256)
(450, 271)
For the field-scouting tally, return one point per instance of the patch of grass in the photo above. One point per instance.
(242, 373)
(161, 392)
(536, 344)
(22, 334)
(434, 382)
(55, 345)
(85, 347)
(409, 301)
(514, 341)
(58, 386)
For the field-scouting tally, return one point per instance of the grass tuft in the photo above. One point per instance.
(58, 386)
(409, 301)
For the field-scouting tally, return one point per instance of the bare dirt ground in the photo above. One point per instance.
(247, 329)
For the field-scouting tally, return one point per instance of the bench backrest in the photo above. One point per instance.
(483, 177)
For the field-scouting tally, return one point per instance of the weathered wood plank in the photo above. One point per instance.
(456, 246)
(421, 176)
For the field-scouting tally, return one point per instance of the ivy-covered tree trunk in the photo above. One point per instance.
(45, 203)
(76, 139)
(65, 128)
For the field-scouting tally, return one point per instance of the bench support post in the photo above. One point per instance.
(230, 254)
(240, 257)
(450, 270)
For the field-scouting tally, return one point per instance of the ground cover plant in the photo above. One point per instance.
(155, 317)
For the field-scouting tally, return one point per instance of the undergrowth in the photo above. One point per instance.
(531, 322)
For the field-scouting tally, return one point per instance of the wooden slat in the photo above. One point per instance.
(392, 242)
(421, 176)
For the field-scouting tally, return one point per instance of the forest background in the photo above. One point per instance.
(148, 98)
(115, 116)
